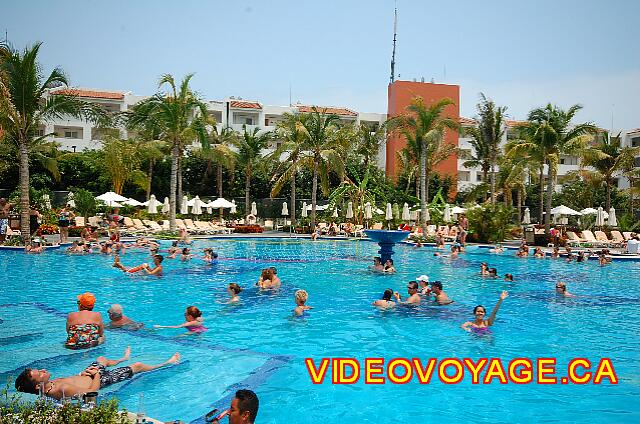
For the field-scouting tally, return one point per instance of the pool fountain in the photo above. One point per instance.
(386, 240)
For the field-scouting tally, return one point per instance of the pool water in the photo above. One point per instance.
(258, 344)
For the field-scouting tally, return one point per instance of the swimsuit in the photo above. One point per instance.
(83, 336)
(108, 377)
(197, 329)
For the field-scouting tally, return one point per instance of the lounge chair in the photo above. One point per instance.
(627, 235)
(573, 239)
(268, 224)
(601, 236)
(205, 227)
(188, 222)
(589, 238)
(93, 221)
(358, 231)
(80, 221)
(182, 226)
(154, 226)
(140, 226)
(130, 227)
(617, 237)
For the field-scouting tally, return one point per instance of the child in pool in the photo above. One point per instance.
(301, 297)
(193, 321)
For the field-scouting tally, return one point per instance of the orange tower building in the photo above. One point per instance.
(400, 95)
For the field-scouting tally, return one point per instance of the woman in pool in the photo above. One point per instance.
(388, 266)
(234, 290)
(538, 253)
(186, 254)
(268, 280)
(480, 323)
(157, 270)
(301, 297)
(193, 321)
(385, 302)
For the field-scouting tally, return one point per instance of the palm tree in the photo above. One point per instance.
(423, 127)
(219, 153)
(410, 168)
(324, 149)
(179, 118)
(481, 155)
(26, 103)
(369, 141)
(608, 158)
(491, 130)
(550, 128)
(251, 146)
(288, 155)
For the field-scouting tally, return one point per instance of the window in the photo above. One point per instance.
(478, 177)
(39, 133)
(248, 121)
(636, 162)
(71, 134)
(635, 142)
(568, 160)
(463, 175)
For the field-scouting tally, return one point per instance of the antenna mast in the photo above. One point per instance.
(393, 55)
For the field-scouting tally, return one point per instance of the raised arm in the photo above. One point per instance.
(494, 312)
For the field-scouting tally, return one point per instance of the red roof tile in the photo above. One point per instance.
(637, 130)
(515, 123)
(90, 93)
(330, 110)
(246, 105)
(467, 121)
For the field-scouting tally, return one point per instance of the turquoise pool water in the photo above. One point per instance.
(258, 344)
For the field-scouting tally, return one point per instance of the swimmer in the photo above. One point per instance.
(497, 249)
(556, 253)
(493, 273)
(561, 289)
(157, 270)
(508, 277)
(186, 254)
(480, 312)
(301, 297)
(209, 255)
(385, 302)
(234, 290)
(484, 269)
(275, 278)
(184, 236)
(423, 281)
(441, 297)
(34, 247)
(193, 321)
(454, 251)
(603, 260)
(414, 297)
(388, 266)
(417, 244)
(377, 264)
(538, 253)
(268, 280)
(174, 249)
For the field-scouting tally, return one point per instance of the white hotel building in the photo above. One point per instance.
(78, 135)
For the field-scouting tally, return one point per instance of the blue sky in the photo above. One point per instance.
(522, 54)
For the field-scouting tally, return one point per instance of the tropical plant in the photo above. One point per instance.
(287, 156)
(551, 134)
(490, 223)
(121, 163)
(358, 190)
(26, 103)
(251, 147)
(368, 142)
(324, 149)
(179, 118)
(423, 127)
(607, 157)
(85, 202)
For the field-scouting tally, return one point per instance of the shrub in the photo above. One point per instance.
(490, 224)
(248, 229)
(85, 202)
(47, 229)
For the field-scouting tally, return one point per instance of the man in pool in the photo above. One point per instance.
(561, 290)
(243, 410)
(92, 379)
(441, 296)
(157, 270)
(119, 320)
(414, 297)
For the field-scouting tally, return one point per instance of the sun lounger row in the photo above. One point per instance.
(138, 226)
(449, 233)
(598, 238)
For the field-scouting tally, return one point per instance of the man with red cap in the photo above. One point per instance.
(85, 328)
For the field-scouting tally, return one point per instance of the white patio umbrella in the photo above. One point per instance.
(367, 211)
(349, 214)
(184, 205)
(335, 213)
(446, 216)
(304, 209)
(285, 209)
(166, 206)
(153, 204)
(564, 210)
(110, 197)
(254, 209)
(132, 202)
(589, 211)
(234, 207)
(209, 209)
(196, 209)
(457, 210)
(612, 217)
(221, 202)
(406, 216)
(70, 201)
(115, 205)
(600, 217)
(526, 218)
(388, 216)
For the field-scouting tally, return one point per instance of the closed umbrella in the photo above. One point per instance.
(446, 217)
(349, 213)
(209, 209)
(285, 209)
(612, 217)
(414, 215)
(406, 216)
(47, 201)
(166, 206)
(152, 207)
(254, 209)
(396, 211)
(196, 209)
(70, 201)
(526, 218)
(335, 213)
(304, 209)
(600, 217)
(234, 208)
(389, 213)
(184, 206)
(367, 211)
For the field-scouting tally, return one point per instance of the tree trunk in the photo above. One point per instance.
(418, 186)
(493, 183)
(25, 208)
(314, 190)
(179, 183)
(293, 199)
(149, 178)
(219, 182)
(175, 154)
(541, 200)
(247, 191)
(608, 205)
(519, 204)
(550, 183)
(423, 185)
(485, 177)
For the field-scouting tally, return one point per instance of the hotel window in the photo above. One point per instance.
(463, 176)
(248, 121)
(568, 160)
(478, 177)
(71, 134)
(635, 142)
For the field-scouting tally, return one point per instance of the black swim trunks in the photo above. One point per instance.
(109, 377)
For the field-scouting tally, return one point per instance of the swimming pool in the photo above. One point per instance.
(258, 343)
